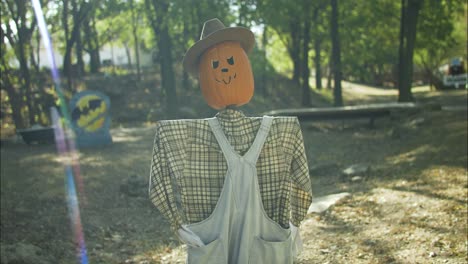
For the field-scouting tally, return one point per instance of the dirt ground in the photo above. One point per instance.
(409, 207)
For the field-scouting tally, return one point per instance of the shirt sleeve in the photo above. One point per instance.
(301, 189)
(160, 185)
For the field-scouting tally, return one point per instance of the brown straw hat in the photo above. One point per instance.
(215, 32)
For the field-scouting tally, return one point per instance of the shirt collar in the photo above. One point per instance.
(230, 115)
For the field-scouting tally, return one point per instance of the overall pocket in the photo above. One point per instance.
(212, 252)
(270, 252)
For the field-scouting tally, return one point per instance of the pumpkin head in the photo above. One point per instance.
(225, 75)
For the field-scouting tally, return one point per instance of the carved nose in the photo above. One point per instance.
(224, 70)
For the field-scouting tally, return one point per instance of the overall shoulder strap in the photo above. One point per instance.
(223, 142)
(262, 134)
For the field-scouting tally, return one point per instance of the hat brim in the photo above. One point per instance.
(239, 34)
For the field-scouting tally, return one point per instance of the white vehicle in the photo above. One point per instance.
(454, 74)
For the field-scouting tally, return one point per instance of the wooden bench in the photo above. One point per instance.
(371, 111)
(43, 135)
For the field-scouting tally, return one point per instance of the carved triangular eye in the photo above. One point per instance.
(231, 60)
(214, 64)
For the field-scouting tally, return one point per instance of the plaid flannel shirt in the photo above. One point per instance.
(188, 167)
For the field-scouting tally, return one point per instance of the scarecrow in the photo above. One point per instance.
(234, 188)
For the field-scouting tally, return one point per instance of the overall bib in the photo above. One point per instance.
(239, 230)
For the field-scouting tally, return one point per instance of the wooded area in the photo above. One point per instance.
(378, 43)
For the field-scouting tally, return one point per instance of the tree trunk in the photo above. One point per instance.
(413, 8)
(24, 44)
(185, 76)
(295, 51)
(79, 55)
(16, 105)
(317, 49)
(14, 97)
(336, 54)
(305, 58)
(79, 45)
(67, 57)
(24, 69)
(79, 15)
(136, 42)
(32, 58)
(329, 76)
(157, 14)
(409, 20)
(318, 67)
(20, 40)
(167, 72)
(401, 50)
(66, 32)
(129, 57)
(137, 55)
(264, 77)
(38, 51)
(92, 44)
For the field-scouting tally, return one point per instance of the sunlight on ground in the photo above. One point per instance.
(165, 255)
(410, 156)
(96, 160)
(122, 134)
(39, 157)
(65, 159)
(363, 89)
(125, 138)
(370, 90)
(384, 224)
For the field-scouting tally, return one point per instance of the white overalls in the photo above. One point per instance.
(239, 230)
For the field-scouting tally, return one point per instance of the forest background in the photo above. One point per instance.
(384, 43)
(408, 204)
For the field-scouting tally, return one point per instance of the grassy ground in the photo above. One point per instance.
(411, 207)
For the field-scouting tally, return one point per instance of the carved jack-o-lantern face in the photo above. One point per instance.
(226, 76)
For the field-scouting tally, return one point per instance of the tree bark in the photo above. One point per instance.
(79, 15)
(66, 32)
(27, 80)
(6, 84)
(15, 102)
(92, 44)
(136, 42)
(185, 76)
(295, 50)
(79, 56)
(317, 63)
(32, 58)
(401, 50)
(21, 43)
(168, 80)
(129, 56)
(317, 50)
(14, 96)
(38, 51)
(329, 76)
(157, 13)
(264, 77)
(79, 44)
(409, 20)
(305, 57)
(336, 55)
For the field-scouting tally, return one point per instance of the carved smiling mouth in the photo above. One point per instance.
(229, 80)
